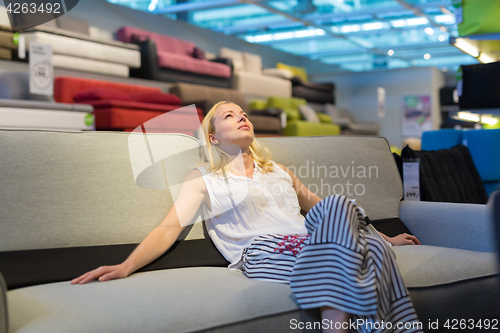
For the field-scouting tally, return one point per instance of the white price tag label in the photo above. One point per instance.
(411, 180)
(41, 71)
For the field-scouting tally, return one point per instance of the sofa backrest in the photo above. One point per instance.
(242, 61)
(164, 43)
(62, 189)
(190, 93)
(66, 87)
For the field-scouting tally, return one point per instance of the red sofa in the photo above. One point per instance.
(117, 106)
(171, 59)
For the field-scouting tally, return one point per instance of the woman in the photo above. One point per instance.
(331, 259)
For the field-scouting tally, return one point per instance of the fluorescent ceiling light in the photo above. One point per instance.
(486, 58)
(390, 52)
(489, 120)
(152, 5)
(398, 23)
(442, 38)
(427, 56)
(468, 116)
(467, 46)
(444, 19)
(372, 26)
(429, 31)
(417, 21)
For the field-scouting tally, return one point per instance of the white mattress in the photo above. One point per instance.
(89, 65)
(262, 86)
(43, 119)
(85, 49)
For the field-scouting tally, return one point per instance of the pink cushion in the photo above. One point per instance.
(188, 64)
(101, 94)
(164, 43)
(156, 98)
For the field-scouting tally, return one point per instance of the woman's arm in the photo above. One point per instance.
(307, 199)
(161, 238)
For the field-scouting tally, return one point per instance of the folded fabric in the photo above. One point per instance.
(101, 94)
(156, 98)
(198, 53)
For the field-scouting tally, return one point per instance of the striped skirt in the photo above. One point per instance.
(341, 263)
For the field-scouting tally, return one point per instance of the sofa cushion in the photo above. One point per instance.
(448, 175)
(164, 43)
(296, 71)
(190, 93)
(132, 105)
(89, 65)
(189, 64)
(156, 98)
(175, 300)
(236, 56)
(65, 87)
(324, 118)
(308, 113)
(253, 62)
(198, 53)
(100, 94)
(75, 47)
(256, 84)
(120, 118)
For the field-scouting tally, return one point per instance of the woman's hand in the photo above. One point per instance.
(404, 239)
(103, 273)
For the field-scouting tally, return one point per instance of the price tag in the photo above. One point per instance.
(411, 179)
(41, 71)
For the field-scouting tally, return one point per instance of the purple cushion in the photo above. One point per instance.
(198, 53)
(188, 64)
(164, 43)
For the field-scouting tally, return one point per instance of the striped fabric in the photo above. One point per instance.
(341, 264)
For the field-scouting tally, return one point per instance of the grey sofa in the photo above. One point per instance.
(72, 200)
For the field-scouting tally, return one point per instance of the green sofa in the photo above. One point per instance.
(296, 125)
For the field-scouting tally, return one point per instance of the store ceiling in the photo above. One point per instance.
(354, 35)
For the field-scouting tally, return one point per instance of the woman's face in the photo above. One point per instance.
(232, 126)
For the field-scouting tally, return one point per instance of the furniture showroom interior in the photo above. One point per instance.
(348, 182)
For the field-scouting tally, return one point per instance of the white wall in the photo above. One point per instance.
(357, 92)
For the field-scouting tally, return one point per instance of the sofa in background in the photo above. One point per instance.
(20, 109)
(484, 147)
(124, 107)
(7, 44)
(73, 201)
(319, 93)
(249, 78)
(296, 111)
(75, 48)
(265, 121)
(171, 59)
(349, 123)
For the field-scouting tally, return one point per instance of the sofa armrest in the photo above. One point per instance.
(149, 61)
(454, 225)
(272, 112)
(4, 318)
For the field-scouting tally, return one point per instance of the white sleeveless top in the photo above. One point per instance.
(244, 208)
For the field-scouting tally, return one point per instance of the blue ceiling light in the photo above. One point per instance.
(329, 30)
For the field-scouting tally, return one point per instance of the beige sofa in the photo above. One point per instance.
(249, 79)
(73, 201)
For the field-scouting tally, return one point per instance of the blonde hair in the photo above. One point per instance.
(220, 161)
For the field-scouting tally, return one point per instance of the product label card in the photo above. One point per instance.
(41, 71)
(411, 179)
